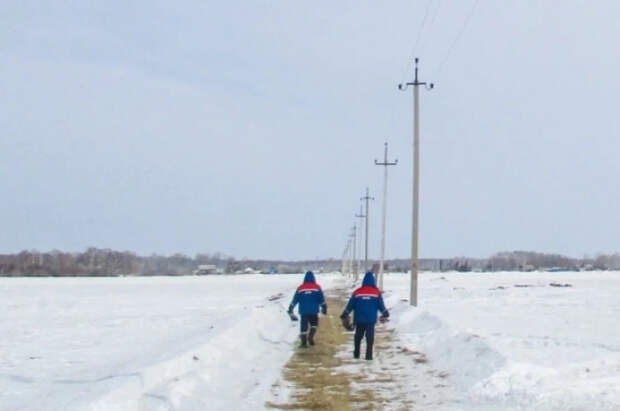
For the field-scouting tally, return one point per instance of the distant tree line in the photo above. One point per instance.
(93, 262)
(106, 262)
(530, 261)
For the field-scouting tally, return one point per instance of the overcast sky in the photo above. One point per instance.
(250, 128)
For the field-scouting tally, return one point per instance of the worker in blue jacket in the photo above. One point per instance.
(310, 298)
(365, 302)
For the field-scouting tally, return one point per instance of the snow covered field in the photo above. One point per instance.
(506, 340)
(513, 340)
(192, 343)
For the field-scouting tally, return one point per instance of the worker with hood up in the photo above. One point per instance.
(310, 298)
(365, 302)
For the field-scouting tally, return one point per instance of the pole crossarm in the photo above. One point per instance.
(367, 198)
(429, 86)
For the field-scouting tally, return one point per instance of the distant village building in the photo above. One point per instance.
(206, 269)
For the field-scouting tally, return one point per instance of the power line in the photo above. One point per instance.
(432, 23)
(457, 38)
(433, 11)
(417, 40)
(414, 48)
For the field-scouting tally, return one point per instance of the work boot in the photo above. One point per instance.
(303, 338)
(311, 335)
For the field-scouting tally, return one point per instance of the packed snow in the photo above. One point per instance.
(544, 341)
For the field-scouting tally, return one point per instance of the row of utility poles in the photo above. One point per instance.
(351, 261)
(352, 264)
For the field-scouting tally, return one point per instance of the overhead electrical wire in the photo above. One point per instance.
(432, 15)
(395, 108)
(456, 39)
(431, 24)
(417, 40)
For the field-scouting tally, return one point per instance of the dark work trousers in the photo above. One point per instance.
(311, 319)
(369, 331)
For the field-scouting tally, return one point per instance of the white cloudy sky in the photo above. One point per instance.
(251, 127)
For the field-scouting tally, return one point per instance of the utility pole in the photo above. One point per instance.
(345, 263)
(344, 258)
(350, 258)
(413, 296)
(366, 198)
(360, 216)
(385, 165)
(353, 237)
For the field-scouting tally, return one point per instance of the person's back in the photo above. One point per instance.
(310, 298)
(364, 303)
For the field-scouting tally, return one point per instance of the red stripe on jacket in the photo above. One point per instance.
(367, 291)
(309, 287)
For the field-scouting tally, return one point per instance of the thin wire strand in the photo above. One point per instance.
(456, 39)
(435, 15)
(415, 44)
(409, 60)
(434, 11)
(417, 40)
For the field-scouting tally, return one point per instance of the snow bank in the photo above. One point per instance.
(511, 340)
(234, 369)
(469, 357)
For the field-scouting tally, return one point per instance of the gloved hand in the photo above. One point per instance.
(383, 319)
(293, 316)
(324, 309)
(346, 322)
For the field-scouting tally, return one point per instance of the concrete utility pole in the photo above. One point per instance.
(353, 237)
(344, 259)
(385, 165)
(350, 258)
(360, 216)
(366, 198)
(413, 296)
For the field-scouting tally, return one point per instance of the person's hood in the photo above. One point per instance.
(309, 278)
(369, 279)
